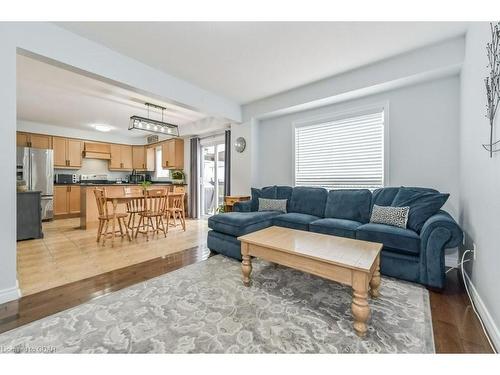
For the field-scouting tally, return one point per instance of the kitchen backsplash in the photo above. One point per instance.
(94, 166)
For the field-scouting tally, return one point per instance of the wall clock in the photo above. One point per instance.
(240, 144)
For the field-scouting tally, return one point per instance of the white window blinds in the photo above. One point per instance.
(344, 153)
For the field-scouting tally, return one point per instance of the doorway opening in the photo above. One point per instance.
(212, 177)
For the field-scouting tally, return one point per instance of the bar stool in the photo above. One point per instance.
(156, 201)
(176, 209)
(134, 206)
(105, 218)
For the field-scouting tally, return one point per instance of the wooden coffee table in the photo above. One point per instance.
(351, 262)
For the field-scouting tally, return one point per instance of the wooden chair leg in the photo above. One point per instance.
(99, 229)
(105, 233)
(163, 227)
(126, 230)
(183, 221)
(141, 219)
(120, 226)
(147, 229)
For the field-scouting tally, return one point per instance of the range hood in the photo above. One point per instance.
(92, 150)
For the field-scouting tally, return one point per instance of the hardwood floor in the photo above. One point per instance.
(456, 328)
(67, 254)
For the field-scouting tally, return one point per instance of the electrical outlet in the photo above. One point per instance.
(474, 249)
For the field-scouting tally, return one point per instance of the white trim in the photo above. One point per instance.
(488, 321)
(11, 294)
(352, 111)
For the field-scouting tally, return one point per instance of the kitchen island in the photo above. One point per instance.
(89, 215)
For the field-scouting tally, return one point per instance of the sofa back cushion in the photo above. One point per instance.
(284, 192)
(384, 196)
(268, 192)
(423, 204)
(352, 204)
(308, 200)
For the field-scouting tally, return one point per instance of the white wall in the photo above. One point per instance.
(244, 164)
(8, 284)
(423, 138)
(480, 180)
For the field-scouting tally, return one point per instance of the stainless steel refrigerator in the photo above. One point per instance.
(36, 167)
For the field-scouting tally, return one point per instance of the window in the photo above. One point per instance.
(346, 152)
(159, 171)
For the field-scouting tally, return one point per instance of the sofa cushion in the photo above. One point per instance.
(294, 220)
(240, 223)
(349, 204)
(423, 204)
(308, 200)
(396, 239)
(384, 196)
(268, 192)
(335, 227)
(284, 192)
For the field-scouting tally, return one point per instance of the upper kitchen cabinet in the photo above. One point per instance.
(151, 158)
(139, 157)
(172, 152)
(121, 157)
(33, 140)
(67, 152)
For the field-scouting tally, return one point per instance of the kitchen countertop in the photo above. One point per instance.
(118, 184)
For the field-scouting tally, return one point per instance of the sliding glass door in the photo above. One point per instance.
(212, 177)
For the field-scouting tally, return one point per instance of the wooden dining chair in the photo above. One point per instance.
(175, 209)
(155, 204)
(105, 217)
(134, 206)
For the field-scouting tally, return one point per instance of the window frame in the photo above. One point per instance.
(339, 115)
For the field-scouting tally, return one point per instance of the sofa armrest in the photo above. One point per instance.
(439, 232)
(442, 220)
(243, 206)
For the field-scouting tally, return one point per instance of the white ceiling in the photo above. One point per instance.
(246, 61)
(51, 95)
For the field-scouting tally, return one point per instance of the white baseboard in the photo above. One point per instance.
(11, 294)
(488, 321)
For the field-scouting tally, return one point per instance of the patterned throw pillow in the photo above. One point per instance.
(272, 205)
(395, 216)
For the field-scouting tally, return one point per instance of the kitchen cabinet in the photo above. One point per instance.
(121, 157)
(66, 199)
(172, 154)
(67, 152)
(139, 157)
(33, 140)
(151, 159)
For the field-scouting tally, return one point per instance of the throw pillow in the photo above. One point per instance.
(272, 205)
(268, 192)
(423, 204)
(395, 216)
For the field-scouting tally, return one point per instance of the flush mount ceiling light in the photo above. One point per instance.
(102, 127)
(153, 126)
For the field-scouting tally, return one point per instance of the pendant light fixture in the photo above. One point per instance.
(153, 126)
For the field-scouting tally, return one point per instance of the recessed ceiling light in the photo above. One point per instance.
(102, 128)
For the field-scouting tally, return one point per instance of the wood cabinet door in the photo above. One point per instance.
(178, 154)
(74, 152)
(150, 159)
(74, 199)
(60, 200)
(165, 154)
(116, 158)
(22, 139)
(126, 157)
(40, 141)
(138, 157)
(59, 145)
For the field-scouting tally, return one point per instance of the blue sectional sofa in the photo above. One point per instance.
(407, 254)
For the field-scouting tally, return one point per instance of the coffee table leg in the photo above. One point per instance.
(375, 281)
(246, 264)
(359, 307)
